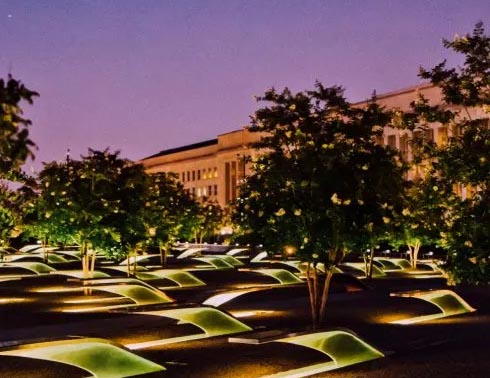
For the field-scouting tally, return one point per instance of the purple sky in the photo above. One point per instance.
(143, 76)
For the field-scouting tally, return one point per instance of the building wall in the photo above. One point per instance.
(216, 170)
(436, 132)
(213, 171)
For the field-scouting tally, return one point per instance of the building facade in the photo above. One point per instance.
(211, 169)
(214, 169)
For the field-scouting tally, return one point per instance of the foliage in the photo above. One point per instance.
(118, 189)
(469, 85)
(15, 149)
(15, 145)
(427, 212)
(322, 186)
(469, 243)
(9, 213)
(47, 213)
(207, 220)
(465, 160)
(169, 210)
(96, 202)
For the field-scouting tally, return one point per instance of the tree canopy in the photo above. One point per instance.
(169, 211)
(96, 202)
(15, 144)
(322, 186)
(464, 162)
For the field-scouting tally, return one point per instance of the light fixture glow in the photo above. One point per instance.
(210, 320)
(447, 301)
(99, 357)
(343, 348)
(246, 314)
(222, 298)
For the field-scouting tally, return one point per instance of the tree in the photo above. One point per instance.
(46, 210)
(468, 242)
(8, 214)
(320, 180)
(167, 210)
(207, 220)
(464, 162)
(121, 188)
(425, 215)
(15, 145)
(469, 85)
(96, 202)
(15, 149)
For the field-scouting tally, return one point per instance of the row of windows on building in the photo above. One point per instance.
(205, 191)
(199, 174)
(427, 135)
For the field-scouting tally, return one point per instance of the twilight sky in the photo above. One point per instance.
(141, 76)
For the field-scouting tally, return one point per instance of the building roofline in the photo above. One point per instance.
(232, 131)
(212, 142)
(188, 147)
(397, 92)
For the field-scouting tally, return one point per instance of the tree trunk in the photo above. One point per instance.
(311, 295)
(416, 250)
(84, 253)
(44, 246)
(128, 264)
(135, 253)
(325, 292)
(318, 293)
(414, 253)
(366, 265)
(163, 255)
(92, 265)
(317, 296)
(371, 259)
(410, 254)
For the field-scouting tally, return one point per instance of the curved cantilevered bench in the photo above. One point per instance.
(100, 357)
(236, 251)
(229, 259)
(447, 301)
(342, 347)
(222, 298)
(34, 267)
(211, 321)
(81, 274)
(140, 294)
(377, 272)
(136, 259)
(181, 277)
(282, 276)
(214, 262)
(190, 252)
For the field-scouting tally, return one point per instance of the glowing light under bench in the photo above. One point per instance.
(222, 298)
(283, 276)
(377, 272)
(342, 347)
(212, 321)
(99, 357)
(447, 301)
(181, 277)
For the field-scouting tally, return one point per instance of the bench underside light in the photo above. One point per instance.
(342, 347)
(99, 357)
